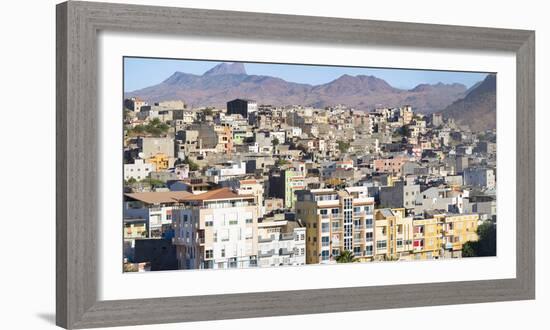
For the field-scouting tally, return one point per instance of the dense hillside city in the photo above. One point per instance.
(252, 184)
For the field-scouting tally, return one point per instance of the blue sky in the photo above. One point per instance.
(144, 72)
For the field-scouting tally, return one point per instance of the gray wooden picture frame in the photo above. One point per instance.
(78, 24)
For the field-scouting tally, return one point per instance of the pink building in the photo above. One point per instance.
(390, 165)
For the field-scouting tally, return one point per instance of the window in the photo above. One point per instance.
(335, 211)
(248, 220)
(369, 236)
(335, 252)
(418, 243)
(208, 223)
(381, 245)
(233, 222)
(368, 250)
(357, 250)
(368, 223)
(324, 255)
(223, 253)
(325, 241)
(209, 254)
(399, 243)
(325, 227)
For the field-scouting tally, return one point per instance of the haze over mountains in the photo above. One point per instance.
(227, 81)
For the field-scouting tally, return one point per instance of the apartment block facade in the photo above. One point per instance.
(393, 234)
(336, 221)
(215, 230)
(281, 242)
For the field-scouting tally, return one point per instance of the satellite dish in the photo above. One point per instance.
(141, 155)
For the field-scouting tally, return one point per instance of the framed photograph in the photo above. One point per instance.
(219, 165)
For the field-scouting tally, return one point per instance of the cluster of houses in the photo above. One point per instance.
(253, 185)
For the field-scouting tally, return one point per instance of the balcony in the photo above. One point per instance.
(266, 254)
(264, 240)
(360, 227)
(284, 252)
(287, 237)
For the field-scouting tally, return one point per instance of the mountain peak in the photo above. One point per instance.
(226, 68)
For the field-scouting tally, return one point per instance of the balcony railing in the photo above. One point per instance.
(266, 254)
(287, 237)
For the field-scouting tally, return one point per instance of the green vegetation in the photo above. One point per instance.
(281, 162)
(403, 131)
(192, 165)
(130, 268)
(343, 146)
(275, 142)
(486, 246)
(346, 257)
(155, 127)
(154, 183)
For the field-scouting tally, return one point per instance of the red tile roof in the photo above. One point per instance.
(222, 193)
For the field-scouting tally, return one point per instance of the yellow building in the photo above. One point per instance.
(160, 160)
(393, 234)
(427, 237)
(336, 221)
(443, 235)
(459, 229)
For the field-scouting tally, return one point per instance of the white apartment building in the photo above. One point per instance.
(226, 171)
(215, 230)
(139, 170)
(281, 242)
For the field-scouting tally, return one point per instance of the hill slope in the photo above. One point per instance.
(478, 108)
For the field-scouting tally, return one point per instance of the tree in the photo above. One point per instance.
(192, 165)
(486, 245)
(343, 146)
(346, 257)
(208, 112)
(275, 142)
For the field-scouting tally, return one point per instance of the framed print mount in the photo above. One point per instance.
(78, 191)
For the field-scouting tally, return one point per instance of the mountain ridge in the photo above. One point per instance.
(227, 81)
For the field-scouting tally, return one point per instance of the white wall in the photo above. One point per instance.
(28, 70)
